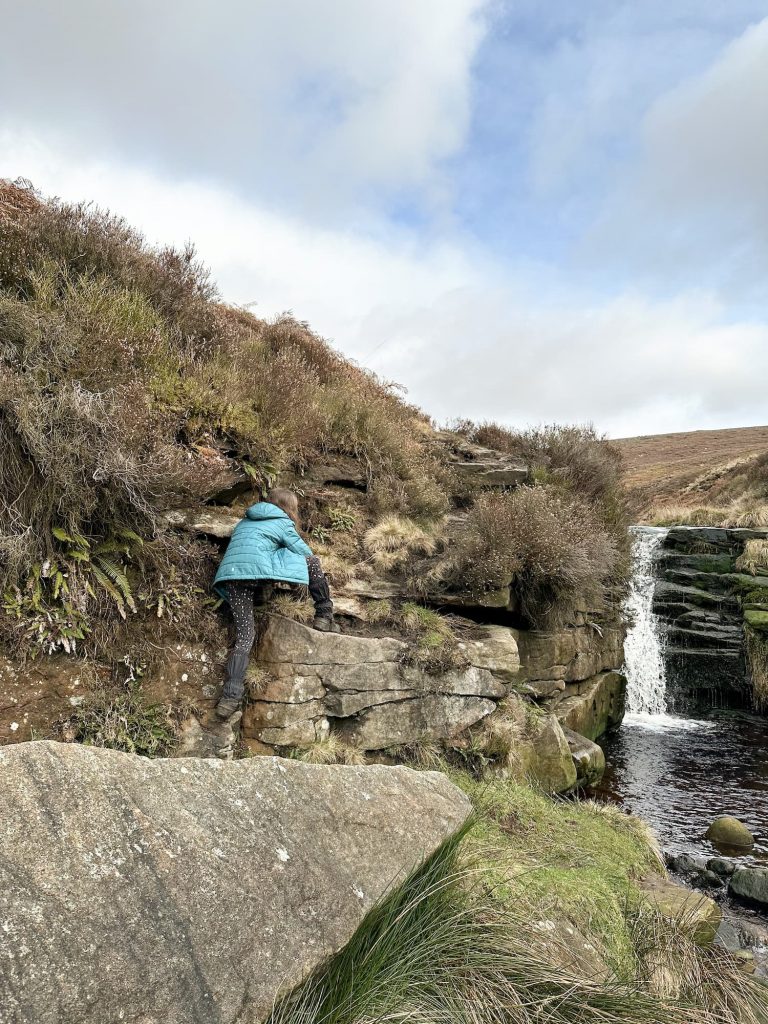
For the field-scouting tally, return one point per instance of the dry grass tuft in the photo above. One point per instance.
(395, 540)
(754, 559)
(757, 660)
(378, 611)
(293, 606)
(331, 750)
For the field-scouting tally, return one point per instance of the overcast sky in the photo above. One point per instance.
(521, 211)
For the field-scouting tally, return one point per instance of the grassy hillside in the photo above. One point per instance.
(128, 390)
(708, 477)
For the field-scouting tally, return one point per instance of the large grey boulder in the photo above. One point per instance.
(188, 891)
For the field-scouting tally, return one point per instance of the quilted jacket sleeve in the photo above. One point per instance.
(293, 541)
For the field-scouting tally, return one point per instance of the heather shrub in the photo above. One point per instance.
(576, 458)
(550, 547)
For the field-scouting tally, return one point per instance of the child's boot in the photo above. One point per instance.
(234, 686)
(324, 620)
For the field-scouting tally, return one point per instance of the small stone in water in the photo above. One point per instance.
(710, 880)
(721, 866)
(726, 830)
(685, 864)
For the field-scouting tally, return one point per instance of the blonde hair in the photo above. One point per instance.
(286, 500)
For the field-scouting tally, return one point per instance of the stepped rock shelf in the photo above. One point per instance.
(307, 686)
(706, 605)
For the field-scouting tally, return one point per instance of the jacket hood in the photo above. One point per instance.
(265, 510)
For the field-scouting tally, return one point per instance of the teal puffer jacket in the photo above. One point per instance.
(265, 545)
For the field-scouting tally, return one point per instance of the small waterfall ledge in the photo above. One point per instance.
(643, 647)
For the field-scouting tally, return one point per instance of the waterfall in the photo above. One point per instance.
(644, 662)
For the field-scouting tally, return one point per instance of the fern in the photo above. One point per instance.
(110, 588)
(118, 578)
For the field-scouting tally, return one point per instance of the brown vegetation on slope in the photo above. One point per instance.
(708, 477)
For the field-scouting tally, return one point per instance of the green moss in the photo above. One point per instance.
(568, 859)
(740, 583)
(711, 563)
(756, 619)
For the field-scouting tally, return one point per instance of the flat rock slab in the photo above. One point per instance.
(192, 891)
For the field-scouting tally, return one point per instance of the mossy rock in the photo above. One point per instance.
(727, 831)
(756, 619)
(696, 913)
(720, 564)
(741, 583)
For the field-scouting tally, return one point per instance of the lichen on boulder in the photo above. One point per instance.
(184, 890)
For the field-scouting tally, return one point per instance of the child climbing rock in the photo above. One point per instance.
(265, 547)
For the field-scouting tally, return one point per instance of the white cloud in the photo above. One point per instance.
(310, 103)
(466, 335)
(695, 206)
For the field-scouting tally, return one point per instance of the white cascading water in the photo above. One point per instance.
(644, 661)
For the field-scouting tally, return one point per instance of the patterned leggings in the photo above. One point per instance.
(241, 595)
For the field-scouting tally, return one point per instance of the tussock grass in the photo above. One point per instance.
(394, 541)
(444, 948)
(740, 514)
(378, 611)
(331, 750)
(754, 558)
(298, 607)
(757, 660)
(682, 515)
(433, 643)
(497, 738)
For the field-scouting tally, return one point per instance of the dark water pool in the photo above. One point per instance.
(679, 773)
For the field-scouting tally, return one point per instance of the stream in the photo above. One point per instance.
(678, 772)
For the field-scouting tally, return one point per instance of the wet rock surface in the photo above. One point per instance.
(704, 602)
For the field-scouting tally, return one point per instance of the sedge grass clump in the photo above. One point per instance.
(394, 541)
(330, 750)
(298, 606)
(754, 558)
(433, 644)
(443, 948)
